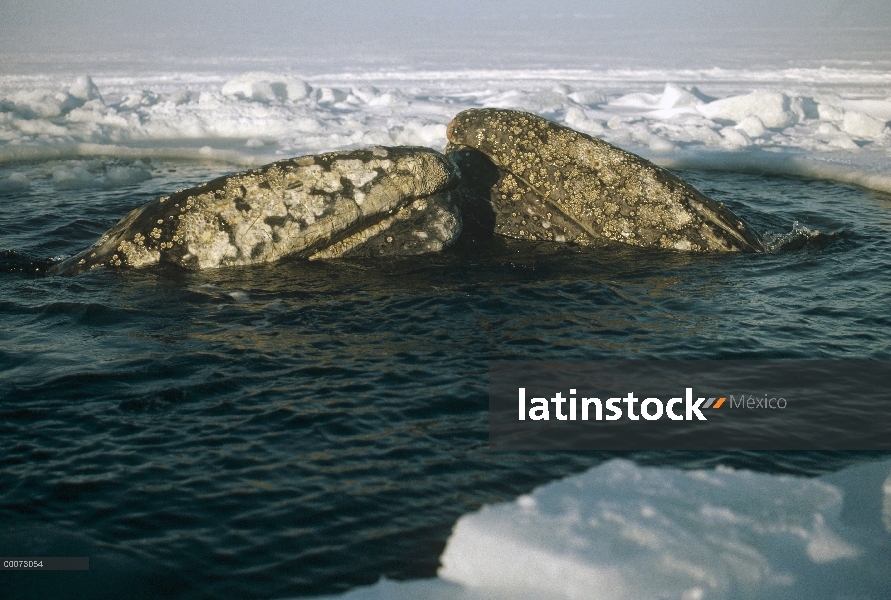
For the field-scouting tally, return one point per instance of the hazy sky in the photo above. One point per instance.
(485, 31)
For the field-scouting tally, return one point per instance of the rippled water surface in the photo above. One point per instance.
(298, 429)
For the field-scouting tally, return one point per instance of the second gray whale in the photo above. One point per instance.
(545, 181)
(371, 202)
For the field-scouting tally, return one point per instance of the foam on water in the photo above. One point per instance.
(821, 123)
(621, 531)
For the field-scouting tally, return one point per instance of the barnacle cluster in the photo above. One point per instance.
(558, 184)
(320, 206)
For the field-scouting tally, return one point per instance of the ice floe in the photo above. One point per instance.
(266, 87)
(626, 532)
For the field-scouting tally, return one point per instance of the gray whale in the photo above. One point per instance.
(372, 202)
(508, 172)
(545, 181)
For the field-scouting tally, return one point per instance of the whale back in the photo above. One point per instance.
(554, 183)
(322, 206)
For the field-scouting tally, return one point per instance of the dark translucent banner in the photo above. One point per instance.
(45, 563)
(690, 405)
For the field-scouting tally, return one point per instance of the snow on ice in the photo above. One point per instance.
(829, 123)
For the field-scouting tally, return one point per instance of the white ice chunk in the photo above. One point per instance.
(139, 99)
(828, 112)
(327, 95)
(32, 104)
(660, 144)
(95, 112)
(877, 109)
(539, 102)
(776, 110)
(624, 532)
(414, 133)
(824, 546)
(266, 87)
(587, 98)
(672, 101)
(752, 126)
(73, 178)
(637, 100)
(179, 97)
(861, 125)
(579, 120)
(836, 138)
(117, 175)
(16, 182)
(393, 99)
(366, 93)
(676, 97)
(84, 89)
(735, 138)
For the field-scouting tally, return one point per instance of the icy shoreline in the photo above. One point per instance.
(829, 123)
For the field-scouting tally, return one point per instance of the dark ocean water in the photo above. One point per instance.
(303, 428)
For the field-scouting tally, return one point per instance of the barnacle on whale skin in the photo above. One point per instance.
(320, 206)
(551, 182)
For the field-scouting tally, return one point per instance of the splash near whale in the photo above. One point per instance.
(545, 181)
(372, 202)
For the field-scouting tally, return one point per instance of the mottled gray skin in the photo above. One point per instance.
(379, 201)
(553, 183)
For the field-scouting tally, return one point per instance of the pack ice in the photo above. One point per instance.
(810, 122)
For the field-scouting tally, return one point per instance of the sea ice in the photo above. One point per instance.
(118, 176)
(15, 182)
(327, 95)
(764, 120)
(73, 178)
(41, 104)
(751, 126)
(775, 110)
(587, 98)
(266, 87)
(735, 137)
(672, 101)
(625, 532)
(84, 89)
(861, 125)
